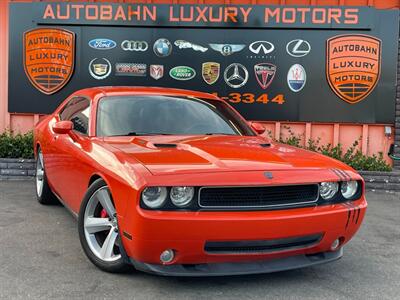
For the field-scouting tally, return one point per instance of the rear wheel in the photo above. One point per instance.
(98, 229)
(43, 192)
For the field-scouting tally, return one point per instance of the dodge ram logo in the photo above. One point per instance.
(353, 64)
(49, 55)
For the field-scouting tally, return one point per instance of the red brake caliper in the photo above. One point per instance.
(103, 214)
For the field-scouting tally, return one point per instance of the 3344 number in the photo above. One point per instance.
(249, 98)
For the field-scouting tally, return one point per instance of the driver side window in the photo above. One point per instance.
(77, 111)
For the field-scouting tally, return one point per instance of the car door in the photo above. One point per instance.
(69, 161)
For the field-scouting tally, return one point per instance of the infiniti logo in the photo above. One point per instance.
(265, 46)
(298, 48)
(134, 45)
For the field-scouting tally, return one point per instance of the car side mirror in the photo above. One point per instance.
(63, 127)
(257, 127)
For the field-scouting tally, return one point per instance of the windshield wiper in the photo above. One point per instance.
(134, 133)
(218, 133)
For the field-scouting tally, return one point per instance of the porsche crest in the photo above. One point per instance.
(210, 72)
(353, 64)
(49, 56)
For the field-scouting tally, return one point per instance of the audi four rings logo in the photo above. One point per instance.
(264, 46)
(298, 48)
(134, 45)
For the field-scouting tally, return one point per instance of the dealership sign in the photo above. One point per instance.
(49, 57)
(353, 65)
(203, 15)
(341, 69)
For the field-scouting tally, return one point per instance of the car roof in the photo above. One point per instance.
(103, 91)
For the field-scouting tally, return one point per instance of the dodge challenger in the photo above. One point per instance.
(177, 182)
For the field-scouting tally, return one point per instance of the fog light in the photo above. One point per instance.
(167, 256)
(335, 244)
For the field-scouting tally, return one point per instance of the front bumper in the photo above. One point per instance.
(240, 268)
(187, 233)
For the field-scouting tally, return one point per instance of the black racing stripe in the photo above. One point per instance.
(358, 215)
(344, 174)
(347, 175)
(349, 211)
(337, 173)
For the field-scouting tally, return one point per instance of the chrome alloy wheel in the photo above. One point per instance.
(39, 174)
(101, 226)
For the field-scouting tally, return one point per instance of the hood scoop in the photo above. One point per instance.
(160, 145)
(265, 145)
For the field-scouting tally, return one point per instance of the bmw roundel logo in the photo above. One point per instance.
(162, 47)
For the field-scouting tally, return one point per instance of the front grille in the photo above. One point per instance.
(266, 246)
(258, 197)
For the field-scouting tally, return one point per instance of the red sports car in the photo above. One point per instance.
(176, 182)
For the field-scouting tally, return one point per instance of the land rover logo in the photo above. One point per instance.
(182, 73)
(298, 48)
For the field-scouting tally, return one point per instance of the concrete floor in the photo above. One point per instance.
(40, 257)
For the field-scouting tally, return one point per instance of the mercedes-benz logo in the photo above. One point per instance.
(266, 47)
(134, 45)
(236, 75)
(298, 48)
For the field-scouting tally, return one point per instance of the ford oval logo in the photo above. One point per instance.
(102, 44)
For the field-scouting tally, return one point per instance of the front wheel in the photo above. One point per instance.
(98, 229)
(43, 192)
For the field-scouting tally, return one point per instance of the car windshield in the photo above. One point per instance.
(154, 115)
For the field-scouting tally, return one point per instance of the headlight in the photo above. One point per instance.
(181, 195)
(328, 190)
(349, 189)
(154, 196)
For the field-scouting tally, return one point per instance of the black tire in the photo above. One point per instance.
(44, 196)
(119, 266)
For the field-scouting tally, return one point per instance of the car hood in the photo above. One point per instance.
(198, 154)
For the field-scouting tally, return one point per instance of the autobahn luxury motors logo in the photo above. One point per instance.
(49, 56)
(353, 65)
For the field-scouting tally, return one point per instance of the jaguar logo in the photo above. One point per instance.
(49, 57)
(353, 65)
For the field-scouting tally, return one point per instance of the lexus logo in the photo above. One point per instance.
(236, 75)
(298, 48)
(134, 45)
(265, 46)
